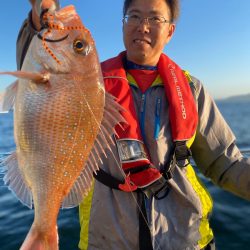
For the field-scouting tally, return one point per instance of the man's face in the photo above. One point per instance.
(144, 42)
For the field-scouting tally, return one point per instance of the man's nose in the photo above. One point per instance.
(144, 25)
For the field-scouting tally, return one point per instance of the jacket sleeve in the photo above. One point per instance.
(24, 38)
(214, 149)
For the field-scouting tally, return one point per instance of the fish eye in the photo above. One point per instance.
(80, 46)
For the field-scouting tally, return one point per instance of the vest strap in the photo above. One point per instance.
(107, 179)
(137, 169)
(159, 188)
(181, 158)
(145, 241)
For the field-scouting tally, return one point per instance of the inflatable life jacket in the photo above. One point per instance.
(140, 173)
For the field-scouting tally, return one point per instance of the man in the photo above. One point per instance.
(146, 195)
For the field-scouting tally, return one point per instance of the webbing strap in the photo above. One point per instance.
(138, 169)
(145, 242)
(159, 189)
(181, 153)
(107, 179)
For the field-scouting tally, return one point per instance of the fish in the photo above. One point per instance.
(64, 121)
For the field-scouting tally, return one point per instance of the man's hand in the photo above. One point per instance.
(38, 6)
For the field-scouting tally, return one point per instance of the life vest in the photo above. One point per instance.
(182, 112)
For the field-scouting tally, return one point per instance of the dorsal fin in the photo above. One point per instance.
(111, 118)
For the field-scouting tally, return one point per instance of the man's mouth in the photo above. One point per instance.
(141, 41)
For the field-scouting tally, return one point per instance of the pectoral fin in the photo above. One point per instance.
(36, 77)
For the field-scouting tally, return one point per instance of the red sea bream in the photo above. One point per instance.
(63, 121)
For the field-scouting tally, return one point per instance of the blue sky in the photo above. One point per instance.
(212, 39)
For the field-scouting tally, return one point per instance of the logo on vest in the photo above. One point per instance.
(178, 89)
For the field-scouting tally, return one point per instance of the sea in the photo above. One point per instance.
(230, 219)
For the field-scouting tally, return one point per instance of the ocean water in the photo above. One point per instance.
(230, 219)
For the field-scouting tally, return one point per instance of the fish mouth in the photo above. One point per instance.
(51, 40)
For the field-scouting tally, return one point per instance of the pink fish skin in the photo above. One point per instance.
(60, 124)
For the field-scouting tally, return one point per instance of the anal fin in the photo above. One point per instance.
(14, 180)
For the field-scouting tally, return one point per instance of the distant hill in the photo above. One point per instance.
(237, 98)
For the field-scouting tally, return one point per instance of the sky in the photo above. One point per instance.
(211, 41)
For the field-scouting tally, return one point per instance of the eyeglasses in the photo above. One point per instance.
(135, 20)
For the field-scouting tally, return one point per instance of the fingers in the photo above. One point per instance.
(38, 6)
(49, 4)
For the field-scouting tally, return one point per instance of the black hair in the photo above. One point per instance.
(174, 6)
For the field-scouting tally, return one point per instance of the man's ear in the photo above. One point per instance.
(171, 31)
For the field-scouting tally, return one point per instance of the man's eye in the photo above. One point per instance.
(156, 19)
(134, 17)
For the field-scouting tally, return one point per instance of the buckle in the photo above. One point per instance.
(159, 189)
(127, 186)
(182, 154)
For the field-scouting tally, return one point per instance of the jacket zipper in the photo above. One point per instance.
(157, 118)
(142, 114)
(142, 126)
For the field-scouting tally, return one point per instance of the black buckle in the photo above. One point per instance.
(162, 193)
(182, 154)
(159, 189)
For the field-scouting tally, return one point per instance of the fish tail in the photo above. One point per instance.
(37, 240)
